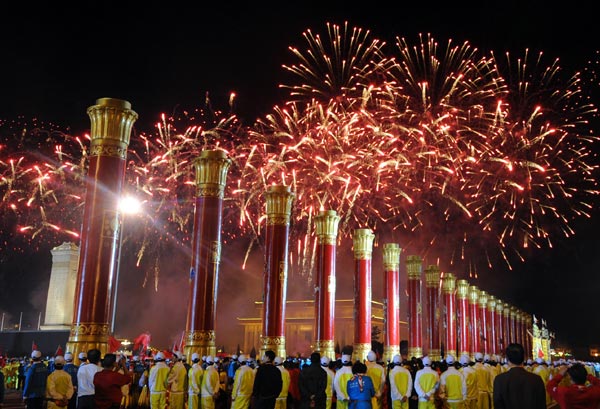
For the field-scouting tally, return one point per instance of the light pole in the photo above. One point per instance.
(128, 205)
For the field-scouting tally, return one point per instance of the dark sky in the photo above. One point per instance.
(56, 62)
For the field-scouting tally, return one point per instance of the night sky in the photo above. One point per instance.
(167, 57)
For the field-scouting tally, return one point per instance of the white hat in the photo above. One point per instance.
(449, 359)
(195, 357)
(242, 358)
(397, 359)
(479, 356)
(178, 354)
(59, 360)
(210, 360)
(217, 359)
(234, 357)
(82, 356)
(529, 362)
(203, 358)
(426, 361)
(68, 357)
(539, 361)
(346, 359)
(136, 358)
(36, 354)
(325, 360)
(159, 356)
(278, 360)
(371, 356)
(464, 359)
(486, 358)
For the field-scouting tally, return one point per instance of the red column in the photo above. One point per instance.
(279, 208)
(518, 327)
(211, 174)
(513, 323)
(111, 123)
(492, 333)
(449, 290)
(528, 341)
(474, 321)
(462, 312)
(506, 324)
(391, 303)
(326, 226)
(432, 291)
(500, 345)
(414, 269)
(363, 252)
(482, 325)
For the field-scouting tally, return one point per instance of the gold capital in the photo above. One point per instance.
(462, 289)
(483, 299)
(279, 205)
(491, 303)
(449, 283)
(432, 276)
(363, 244)
(473, 294)
(506, 310)
(211, 173)
(111, 122)
(391, 256)
(499, 306)
(326, 226)
(414, 267)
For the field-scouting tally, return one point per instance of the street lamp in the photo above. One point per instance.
(128, 205)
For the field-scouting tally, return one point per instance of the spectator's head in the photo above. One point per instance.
(359, 368)
(269, 355)
(515, 354)
(315, 358)
(36, 355)
(93, 355)
(578, 373)
(59, 362)
(108, 361)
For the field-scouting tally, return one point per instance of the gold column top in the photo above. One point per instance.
(513, 311)
(518, 315)
(449, 283)
(506, 310)
(111, 122)
(363, 244)
(414, 267)
(528, 319)
(483, 299)
(391, 256)
(211, 172)
(279, 204)
(491, 303)
(462, 289)
(432, 276)
(499, 306)
(326, 226)
(473, 294)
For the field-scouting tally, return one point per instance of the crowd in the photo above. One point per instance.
(272, 382)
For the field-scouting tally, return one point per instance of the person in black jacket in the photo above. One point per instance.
(518, 388)
(313, 384)
(267, 383)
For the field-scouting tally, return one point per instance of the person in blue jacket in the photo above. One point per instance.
(34, 390)
(360, 387)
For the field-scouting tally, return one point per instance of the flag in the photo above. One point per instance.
(141, 342)
(59, 351)
(113, 344)
(34, 346)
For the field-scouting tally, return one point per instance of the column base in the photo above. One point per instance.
(390, 351)
(326, 348)
(87, 335)
(275, 344)
(417, 352)
(360, 352)
(200, 342)
(436, 355)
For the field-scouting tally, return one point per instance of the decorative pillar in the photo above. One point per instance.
(506, 324)
(111, 123)
(326, 226)
(474, 321)
(513, 324)
(500, 342)
(462, 299)
(211, 175)
(432, 286)
(414, 269)
(391, 304)
(279, 208)
(482, 324)
(449, 290)
(363, 252)
(529, 340)
(492, 333)
(518, 327)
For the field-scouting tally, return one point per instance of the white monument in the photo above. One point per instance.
(61, 291)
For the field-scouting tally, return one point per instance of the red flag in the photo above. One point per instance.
(34, 347)
(141, 342)
(59, 351)
(113, 344)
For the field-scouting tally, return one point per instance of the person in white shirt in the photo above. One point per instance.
(85, 380)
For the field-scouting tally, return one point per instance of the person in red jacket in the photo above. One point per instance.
(582, 393)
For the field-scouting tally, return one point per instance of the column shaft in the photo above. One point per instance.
(474, 321)
(363, 251)
(462, 292)
(449, 290)
(391, 291)
(414, 268)
(432, 289)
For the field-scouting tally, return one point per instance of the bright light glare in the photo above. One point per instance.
(130, 205)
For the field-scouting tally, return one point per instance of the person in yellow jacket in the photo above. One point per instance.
(401, 384)
(281, 402)
(325, 361)
(426, 384)
(541, 368)
(453, 386)
(59, 386)
(157, 382)
(484, 391)
(211, 385)
(471, 382)
(177, 382)
(340, 382)
(377, 373)
(243, 383)
(195, 374)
